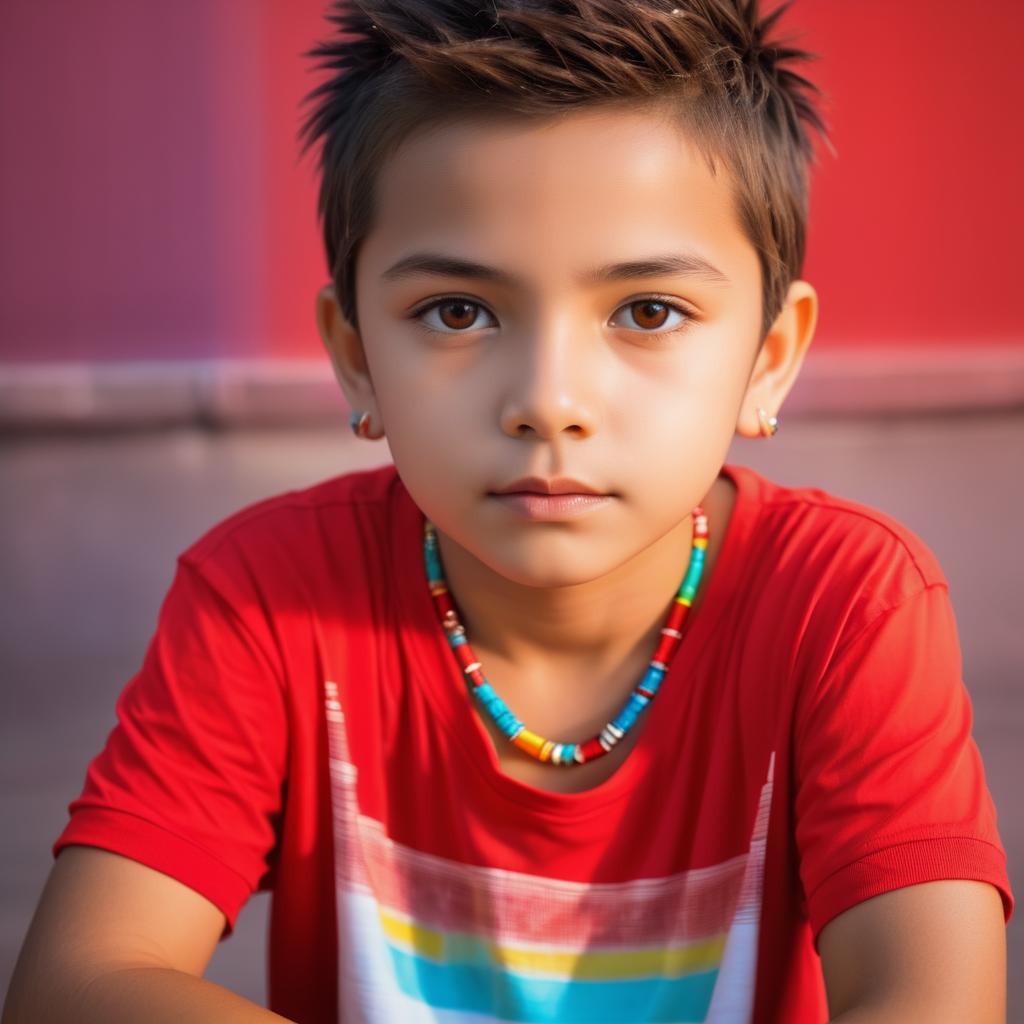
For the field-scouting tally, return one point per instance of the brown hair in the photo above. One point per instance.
(401, 66)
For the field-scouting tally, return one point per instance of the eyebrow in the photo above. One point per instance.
(668, 265)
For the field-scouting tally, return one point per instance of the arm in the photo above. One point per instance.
(900, 858)
(934, 952)
(114, 941)
(156, 994)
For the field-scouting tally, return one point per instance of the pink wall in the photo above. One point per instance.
(152, 203)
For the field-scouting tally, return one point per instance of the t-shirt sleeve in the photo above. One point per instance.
(889, 784)
(190, 781)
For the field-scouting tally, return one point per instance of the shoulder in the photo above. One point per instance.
(837, 563)
(292, 519)
(830, 529)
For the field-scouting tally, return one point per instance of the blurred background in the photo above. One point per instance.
(160, 366)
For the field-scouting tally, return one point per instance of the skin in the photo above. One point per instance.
(933, 952)
(550, 376)
(545, 374)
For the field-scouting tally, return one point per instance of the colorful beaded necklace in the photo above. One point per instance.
(512, 727)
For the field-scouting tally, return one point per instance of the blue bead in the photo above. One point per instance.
(627, 716)
(652, 677)
(507, 722)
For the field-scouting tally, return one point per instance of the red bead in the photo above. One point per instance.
(591, 749)
(676, 616)
(465, 655)
(665, 649)
(444, 602)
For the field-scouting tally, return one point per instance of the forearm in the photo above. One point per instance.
(153, 994)
(867, 1016)
(909, 1012)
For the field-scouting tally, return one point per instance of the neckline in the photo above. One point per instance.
(445, 689)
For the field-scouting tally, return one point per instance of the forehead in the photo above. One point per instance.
(558, 192)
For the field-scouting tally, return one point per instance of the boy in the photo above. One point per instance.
(558, 718)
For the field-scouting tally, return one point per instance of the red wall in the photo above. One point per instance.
(153, 205)
(917, 227)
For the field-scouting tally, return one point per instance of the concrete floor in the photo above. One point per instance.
(90, 526)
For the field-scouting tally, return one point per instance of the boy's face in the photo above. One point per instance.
(549, 367)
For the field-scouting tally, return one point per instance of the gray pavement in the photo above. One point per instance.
(91, 524)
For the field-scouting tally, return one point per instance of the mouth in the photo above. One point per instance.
(550, 507)
(555, 486)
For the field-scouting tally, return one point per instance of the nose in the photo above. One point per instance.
(550, 390)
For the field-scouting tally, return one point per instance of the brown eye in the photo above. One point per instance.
(454, 314)
(458, 314)
(650, 314)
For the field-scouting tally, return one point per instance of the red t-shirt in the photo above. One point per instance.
(300, 725)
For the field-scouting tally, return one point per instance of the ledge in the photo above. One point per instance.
(225, 393)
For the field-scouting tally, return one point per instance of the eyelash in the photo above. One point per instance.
(417, 314)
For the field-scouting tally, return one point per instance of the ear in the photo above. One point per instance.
(345, 348)
(782, 354)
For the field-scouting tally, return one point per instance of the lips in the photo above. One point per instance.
(550, 507)
(538, 485)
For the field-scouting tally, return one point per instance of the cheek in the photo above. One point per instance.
(432, 428)
(687, 396)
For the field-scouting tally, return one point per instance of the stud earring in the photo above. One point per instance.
(360, 424)
(768, 424)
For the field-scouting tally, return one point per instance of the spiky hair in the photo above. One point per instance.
(398, 66)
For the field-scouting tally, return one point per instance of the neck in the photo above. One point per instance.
(595, 626)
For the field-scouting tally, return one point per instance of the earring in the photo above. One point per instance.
(769, 424)
(360, 424)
